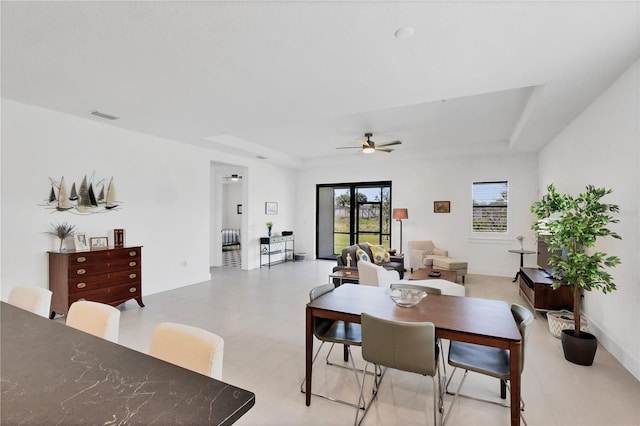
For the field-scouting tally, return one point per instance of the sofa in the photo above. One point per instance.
(351, 250)
(425, 254)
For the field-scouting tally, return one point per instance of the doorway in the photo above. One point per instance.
(351, 213)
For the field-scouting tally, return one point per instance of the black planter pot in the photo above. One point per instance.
(579, 350)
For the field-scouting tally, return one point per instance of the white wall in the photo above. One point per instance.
(601, 147)
(165, 186)
(416, 185)
(232, 197)
(157, 181)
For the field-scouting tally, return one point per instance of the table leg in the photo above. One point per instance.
(514, 376)
(308, 356)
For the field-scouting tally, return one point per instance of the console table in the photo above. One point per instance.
(536, 288)
(280, 248)
(112, 276)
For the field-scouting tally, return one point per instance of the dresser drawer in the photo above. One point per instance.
(82, 283)
(132, 275)
(111, 295)
(124, 254)
(123, 292)
(88, 258)
(85, 270)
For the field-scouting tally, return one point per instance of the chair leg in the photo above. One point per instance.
(377, 374)
(457, 394)
(503, 383)
(360, 404)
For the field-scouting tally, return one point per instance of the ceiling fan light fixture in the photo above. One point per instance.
(368, 150)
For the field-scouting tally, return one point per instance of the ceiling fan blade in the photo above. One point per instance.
(377, 148)
(390, 143)
(349, 147)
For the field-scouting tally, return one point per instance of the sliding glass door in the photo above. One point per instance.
(352, 213)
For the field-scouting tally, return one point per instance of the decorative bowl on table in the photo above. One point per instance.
(406, 297)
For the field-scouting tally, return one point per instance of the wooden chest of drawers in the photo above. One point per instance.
(110, 276)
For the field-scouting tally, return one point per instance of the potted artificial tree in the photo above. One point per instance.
(570, 226)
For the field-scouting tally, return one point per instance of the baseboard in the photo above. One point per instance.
(627, 359)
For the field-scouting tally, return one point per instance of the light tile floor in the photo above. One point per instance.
(261, 315)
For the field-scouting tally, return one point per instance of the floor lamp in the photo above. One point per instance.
(400, 214)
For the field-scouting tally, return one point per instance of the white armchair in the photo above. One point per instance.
(422, 253)
(371, 274)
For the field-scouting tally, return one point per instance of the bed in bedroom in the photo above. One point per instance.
(230, 238)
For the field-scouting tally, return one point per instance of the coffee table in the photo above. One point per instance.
(423, 274)
(339, 277)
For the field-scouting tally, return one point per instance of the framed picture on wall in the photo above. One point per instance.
(239, 209)
(270, 207)
(441, 206)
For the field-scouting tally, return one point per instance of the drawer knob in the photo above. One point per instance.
(81, 271)
(81, 285)
(132, 276)
(81, 259)
(132, 263)
(133, 290)
(133, 253)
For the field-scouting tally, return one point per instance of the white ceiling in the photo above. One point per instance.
(291, 81)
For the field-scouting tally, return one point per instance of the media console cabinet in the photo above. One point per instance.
(111, 276)
(535, 286)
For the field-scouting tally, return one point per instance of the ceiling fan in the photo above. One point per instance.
(369, 146)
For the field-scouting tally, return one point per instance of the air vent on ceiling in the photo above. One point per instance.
(104, 115)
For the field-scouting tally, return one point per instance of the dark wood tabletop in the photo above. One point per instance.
(467, 319)
(54, 374)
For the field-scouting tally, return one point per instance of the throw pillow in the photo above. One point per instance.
(362, 255)
(380, 254)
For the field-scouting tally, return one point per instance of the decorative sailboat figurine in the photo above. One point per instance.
(52, 196)
(63, 199)
(101, 195)
(74, 194)
(111, 195)
(84, 202)
(92, 196)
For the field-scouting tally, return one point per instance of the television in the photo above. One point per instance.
(544, 255)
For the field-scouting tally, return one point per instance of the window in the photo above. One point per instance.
(490, 206)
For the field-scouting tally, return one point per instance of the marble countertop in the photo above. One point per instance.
(54, 374)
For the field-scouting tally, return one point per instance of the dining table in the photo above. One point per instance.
(465, 319)
(54, 374)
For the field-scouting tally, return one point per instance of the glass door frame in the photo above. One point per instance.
(353, 209)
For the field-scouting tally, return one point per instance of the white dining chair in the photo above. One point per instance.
(189, 347)
(95, 318)
(371, 274)
(33, 299)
